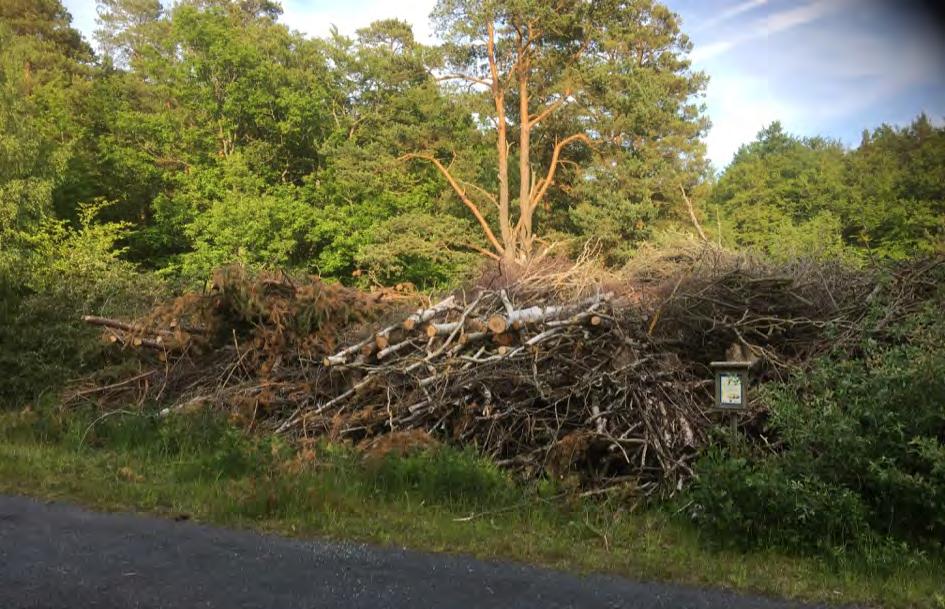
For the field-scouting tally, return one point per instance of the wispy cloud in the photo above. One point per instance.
(708, 51)
(837, 73)
(729, 14)
(801, 15)
(774, 23)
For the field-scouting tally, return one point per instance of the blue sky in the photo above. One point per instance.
(821, 67)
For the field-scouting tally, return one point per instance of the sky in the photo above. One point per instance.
(821, 67)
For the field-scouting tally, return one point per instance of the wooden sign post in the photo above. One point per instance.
(731, 387)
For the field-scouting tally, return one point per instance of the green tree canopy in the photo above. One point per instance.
(788, 195)
(44, 74)
(897, 190)
(585, 98)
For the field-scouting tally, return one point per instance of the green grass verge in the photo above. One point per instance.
(440, 500)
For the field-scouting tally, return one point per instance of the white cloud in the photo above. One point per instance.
(315, 17)
(801, 15)
(780, 21)
(740, 107)
(707, 51)
(834, 75)
(729, 14)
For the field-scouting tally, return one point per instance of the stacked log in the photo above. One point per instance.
(589, 381)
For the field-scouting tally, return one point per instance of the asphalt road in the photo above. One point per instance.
(56, 556)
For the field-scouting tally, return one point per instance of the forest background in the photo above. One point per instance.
(206, 132)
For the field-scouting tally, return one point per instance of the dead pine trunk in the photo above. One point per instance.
(514, 242)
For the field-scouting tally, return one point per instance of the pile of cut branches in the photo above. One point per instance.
(706, 303)
(537, 384)
(557, 371)
(241, 329)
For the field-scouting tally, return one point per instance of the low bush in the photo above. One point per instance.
(48, 280)
(858, 455)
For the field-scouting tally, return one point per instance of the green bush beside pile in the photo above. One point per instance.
(857, 453)
(49, 278)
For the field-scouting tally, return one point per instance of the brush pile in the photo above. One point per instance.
(559, 371)
(201, 348)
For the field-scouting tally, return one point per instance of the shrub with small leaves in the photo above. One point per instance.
(860, 452)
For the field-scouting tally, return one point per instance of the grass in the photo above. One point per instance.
(440, 500)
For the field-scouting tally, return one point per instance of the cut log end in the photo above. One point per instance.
(409, 324)
(497, 324)
(504, 339)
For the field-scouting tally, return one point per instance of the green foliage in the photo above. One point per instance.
(752, 503)
(862, 458)
(228, 213)
(216, 134)
(423, 249)
(203, 445)
(41, 79)
(897, 184)
(781, 194)
(636, 106)
(375, 215)
(786, 195)
(208, 132)
(445, 475)
(215, 124)
(56, 275)
(197, 465)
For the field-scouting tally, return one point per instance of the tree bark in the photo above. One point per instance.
(526, 211)
(692, 214)
(502, 148)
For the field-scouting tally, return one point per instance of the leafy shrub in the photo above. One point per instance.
(424, 249)
(861, 457)
(47, 281)
(763, 504)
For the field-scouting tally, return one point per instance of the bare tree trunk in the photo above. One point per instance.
(692, 214)
(502, 147)
(516, 241)
(524, 199)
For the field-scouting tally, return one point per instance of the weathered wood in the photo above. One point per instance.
(519, 318)
(116, 324)
(424, 315)
(497, 324)
(379, 338)
(446, 328)
(382, 339)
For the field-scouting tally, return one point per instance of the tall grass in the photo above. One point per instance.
(438, 499)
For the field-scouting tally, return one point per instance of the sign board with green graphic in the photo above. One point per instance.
(731, 385)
